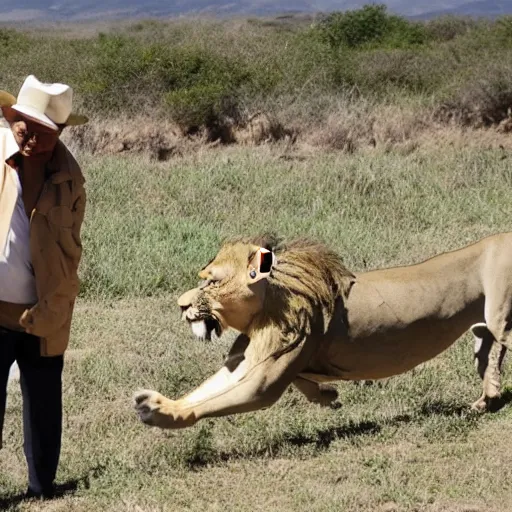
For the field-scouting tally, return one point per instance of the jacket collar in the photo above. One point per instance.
(56, 171)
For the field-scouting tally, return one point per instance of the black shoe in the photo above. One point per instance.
(46, 494)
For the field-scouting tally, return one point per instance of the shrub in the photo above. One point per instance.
(447, 28)
(483, 99)
(210, 106)
(382, 72)
(401, 33)
(504, 30)
(370, 26)
(114, 72)
(198, 86)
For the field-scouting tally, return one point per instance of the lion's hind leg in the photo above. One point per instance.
(315, 392)
(489, 356)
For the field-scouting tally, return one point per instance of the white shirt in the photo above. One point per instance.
(17, 281)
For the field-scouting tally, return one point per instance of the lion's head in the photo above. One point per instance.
(254, 282)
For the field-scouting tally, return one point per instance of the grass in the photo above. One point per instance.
(151, 226)
(408, 180)
(407, 443)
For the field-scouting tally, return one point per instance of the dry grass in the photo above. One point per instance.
(350, 127)
(156, 138)
(406, 444)
(161, 139)
(381, 180)
(360, 124)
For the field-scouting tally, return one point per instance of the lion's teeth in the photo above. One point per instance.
(199, 328)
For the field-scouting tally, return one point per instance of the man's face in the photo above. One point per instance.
(34, 139)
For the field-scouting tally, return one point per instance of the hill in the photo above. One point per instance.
(83, 10)
(482, 8)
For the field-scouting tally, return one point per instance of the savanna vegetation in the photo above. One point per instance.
(341, 71)
(391, 154)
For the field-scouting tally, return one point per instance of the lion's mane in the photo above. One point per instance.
(304, 286)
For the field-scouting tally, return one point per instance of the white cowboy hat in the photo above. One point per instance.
(47, 104)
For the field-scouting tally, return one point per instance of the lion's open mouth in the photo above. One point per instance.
(203, 328)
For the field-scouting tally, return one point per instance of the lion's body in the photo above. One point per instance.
(400, 317)
(312, 321)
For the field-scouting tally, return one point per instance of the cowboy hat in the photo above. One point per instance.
(47, 104)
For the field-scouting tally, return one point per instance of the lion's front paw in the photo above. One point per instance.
(157, 411)
(489, 404)
(154, 409)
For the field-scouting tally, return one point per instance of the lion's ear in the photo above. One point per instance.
(261, 264)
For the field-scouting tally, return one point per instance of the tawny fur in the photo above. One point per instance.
(312, 321)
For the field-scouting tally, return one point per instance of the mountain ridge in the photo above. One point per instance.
(80, 10)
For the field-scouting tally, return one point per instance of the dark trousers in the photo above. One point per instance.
(41, 387)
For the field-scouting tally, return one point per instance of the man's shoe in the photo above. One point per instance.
(46, 494)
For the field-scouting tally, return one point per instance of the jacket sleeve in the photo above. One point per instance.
(54, 309)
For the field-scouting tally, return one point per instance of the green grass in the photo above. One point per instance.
(407, 443)
(151, 226)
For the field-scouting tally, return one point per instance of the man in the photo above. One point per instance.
(42, 201)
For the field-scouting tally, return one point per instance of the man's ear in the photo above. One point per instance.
(260, 265)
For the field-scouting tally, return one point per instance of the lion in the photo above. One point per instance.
(304, 319)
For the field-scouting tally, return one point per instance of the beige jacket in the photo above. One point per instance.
(55, 245)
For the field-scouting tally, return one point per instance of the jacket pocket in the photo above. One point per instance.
(60, 220)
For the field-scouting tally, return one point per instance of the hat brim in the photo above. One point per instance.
(6, 99)
(35, 116)
(76, 120)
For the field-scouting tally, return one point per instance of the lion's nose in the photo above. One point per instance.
(186, 300)
(188, 313)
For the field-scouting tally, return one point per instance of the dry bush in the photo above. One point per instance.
(343, 130)
(483, 100)
(447, 28)
(361, 124)
(385, 72)
(261, 128)
(159, 139)
(505, 126)
(395, 126)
